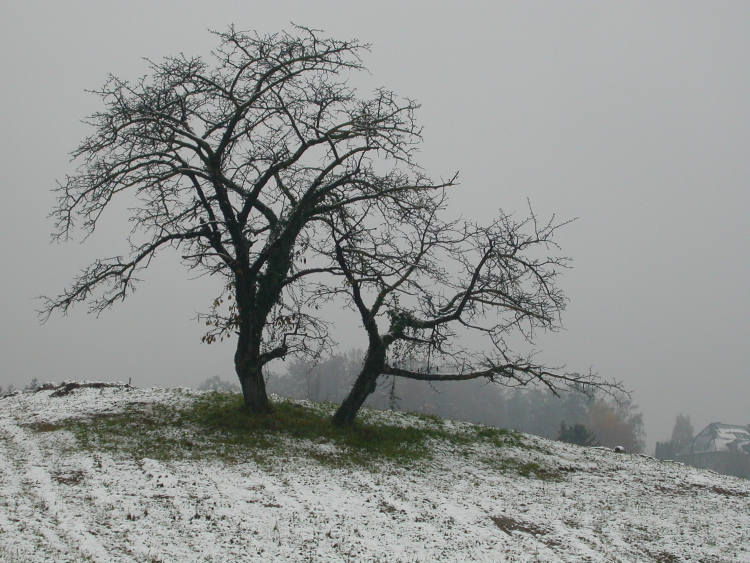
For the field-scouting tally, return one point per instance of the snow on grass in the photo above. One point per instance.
(116, 474)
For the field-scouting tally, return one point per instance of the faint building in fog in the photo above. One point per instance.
(724, 448)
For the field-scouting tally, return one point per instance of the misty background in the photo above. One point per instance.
(631, 117)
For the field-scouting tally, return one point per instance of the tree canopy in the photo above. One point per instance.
(265, 168)
(233, 164)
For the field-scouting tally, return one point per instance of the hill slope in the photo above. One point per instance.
(116, 474)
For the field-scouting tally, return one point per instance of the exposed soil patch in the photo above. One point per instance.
(664, 557)
(66, 387)
(509, 525)
(69, 477)
(728, 492)
(42, 426)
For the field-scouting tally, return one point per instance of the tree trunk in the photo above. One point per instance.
(254, 393)
(249, 368)
(364, 385)
(256, 296)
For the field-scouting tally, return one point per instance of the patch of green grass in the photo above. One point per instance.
(44, 426)
(215, 425)
(307, 426)
(500, 437)
(529, 469)
(141, 430)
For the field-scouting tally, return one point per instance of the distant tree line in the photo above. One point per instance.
(11, 390)
(215, 383)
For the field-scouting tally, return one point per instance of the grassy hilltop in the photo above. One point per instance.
(112, 473)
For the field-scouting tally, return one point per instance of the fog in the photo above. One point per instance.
(631, 117)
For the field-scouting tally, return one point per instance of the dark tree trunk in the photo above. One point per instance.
(256, 296)
(250, 372)
(363, 387)
(248, 361)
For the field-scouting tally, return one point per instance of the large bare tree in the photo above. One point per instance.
(233, 163)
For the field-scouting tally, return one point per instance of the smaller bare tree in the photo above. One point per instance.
(398, 273)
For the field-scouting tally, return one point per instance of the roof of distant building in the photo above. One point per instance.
(718, 437)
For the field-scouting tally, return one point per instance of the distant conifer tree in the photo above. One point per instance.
(33, 386)
(682, 432)
(576, 434)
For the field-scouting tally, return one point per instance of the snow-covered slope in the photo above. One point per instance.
(527, 500)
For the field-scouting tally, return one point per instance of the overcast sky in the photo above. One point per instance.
(631, 116)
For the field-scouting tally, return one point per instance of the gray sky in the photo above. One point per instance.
(633, 117)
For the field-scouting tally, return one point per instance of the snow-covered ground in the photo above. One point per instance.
(61, 502)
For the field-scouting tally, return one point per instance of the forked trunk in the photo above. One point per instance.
(365, 385)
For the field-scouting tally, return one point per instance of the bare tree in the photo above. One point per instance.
(233, 164)
(432, 283)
